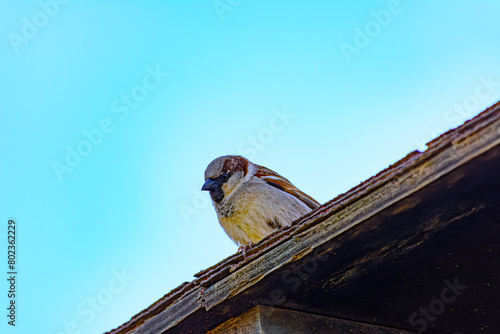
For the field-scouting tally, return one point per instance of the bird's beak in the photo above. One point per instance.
(210, 185)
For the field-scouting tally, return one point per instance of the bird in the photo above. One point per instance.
(252, 201)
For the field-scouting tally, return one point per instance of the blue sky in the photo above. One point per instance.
(112, 110)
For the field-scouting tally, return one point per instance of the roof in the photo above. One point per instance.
(386, 238)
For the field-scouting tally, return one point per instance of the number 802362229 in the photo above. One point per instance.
(12, 274)
(11, 239)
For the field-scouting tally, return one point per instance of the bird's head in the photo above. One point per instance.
(226, 174)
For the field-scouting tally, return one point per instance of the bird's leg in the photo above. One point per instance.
(244, 249)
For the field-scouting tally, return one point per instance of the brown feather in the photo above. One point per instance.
(235, 163)
(278, 181)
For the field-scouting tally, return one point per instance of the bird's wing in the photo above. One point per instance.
(278, 181)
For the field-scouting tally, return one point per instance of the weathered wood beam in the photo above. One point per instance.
(271, 320)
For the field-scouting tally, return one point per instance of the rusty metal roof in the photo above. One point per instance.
(201, 292)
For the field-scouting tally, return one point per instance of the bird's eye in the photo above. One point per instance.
(225, 177)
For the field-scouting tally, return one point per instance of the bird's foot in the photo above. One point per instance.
(244, 249)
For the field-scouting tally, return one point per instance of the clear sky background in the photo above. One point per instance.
(326, 93)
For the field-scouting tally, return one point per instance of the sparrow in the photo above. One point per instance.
(252, 201)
